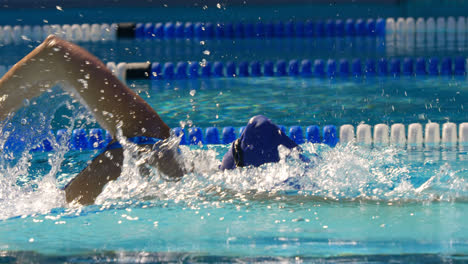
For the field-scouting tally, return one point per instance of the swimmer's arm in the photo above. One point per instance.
(112, 103)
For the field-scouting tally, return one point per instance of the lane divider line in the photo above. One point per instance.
(413, 136)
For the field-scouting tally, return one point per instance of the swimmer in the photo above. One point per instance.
(118, 109)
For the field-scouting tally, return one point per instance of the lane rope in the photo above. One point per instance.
(207, 30)
(413, 136)
(305, 68)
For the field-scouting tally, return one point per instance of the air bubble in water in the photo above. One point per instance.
(26, 102)
(193, 92)
(24, 121)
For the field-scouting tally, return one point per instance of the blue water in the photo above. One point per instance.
(305, 101)
(231, 12)
(354, 205)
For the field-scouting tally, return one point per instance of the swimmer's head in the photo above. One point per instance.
(257, 145)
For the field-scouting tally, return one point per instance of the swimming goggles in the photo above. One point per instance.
(238, 153)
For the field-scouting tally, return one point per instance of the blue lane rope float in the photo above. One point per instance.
(414, 136)
(306, 68)
(389, 27)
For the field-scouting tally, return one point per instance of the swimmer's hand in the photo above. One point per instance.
(89, 183)
(168, 160)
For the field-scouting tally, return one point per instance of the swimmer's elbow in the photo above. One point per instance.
(52, 41)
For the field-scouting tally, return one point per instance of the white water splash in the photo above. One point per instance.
(27, 199)
(22, 190)
(342, 173)
(345, 172)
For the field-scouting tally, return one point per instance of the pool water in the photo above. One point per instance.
(350, 204)
(305, 101)
(353, 203)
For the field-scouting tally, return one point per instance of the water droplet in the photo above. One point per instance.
(203, 63)
(26, 102)
(218, 5)
(59, 8)
(109, 155)
(84, 83)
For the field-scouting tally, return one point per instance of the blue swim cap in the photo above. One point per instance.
(257, 145)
